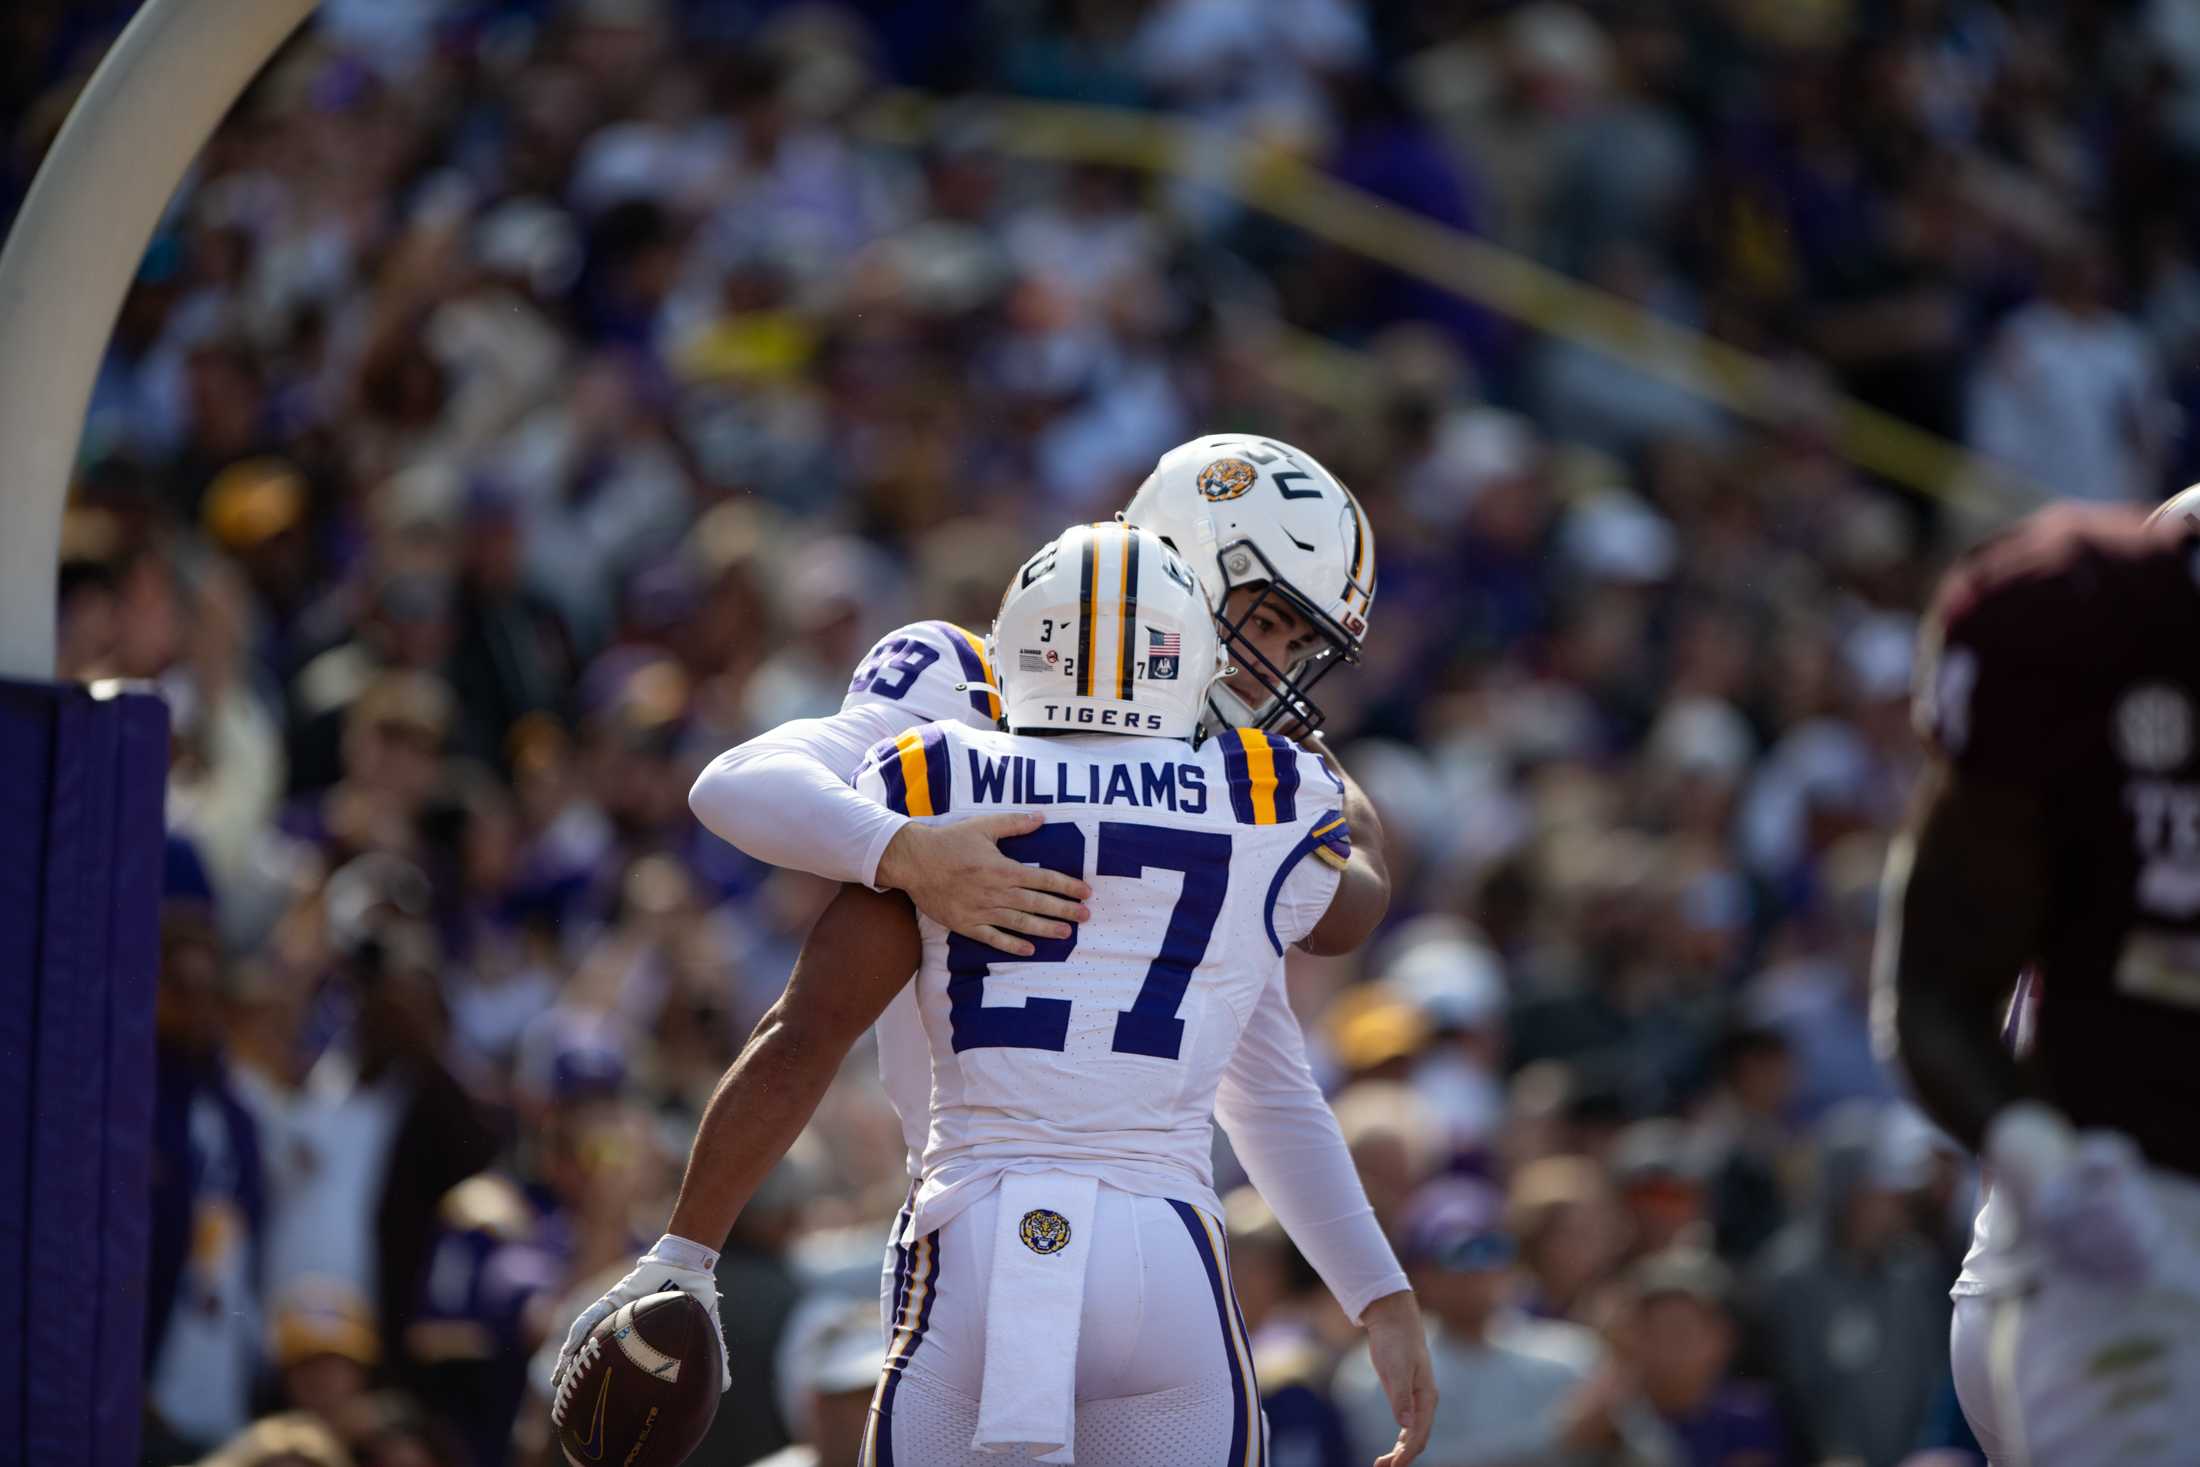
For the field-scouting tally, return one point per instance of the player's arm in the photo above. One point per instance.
(784, 798)
(1288, 1140)
(1363, 895)
(2005, 696)
(857, 957)
(1966, 889)
(1291, 1146)
(1964, 893)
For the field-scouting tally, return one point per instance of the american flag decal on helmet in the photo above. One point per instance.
(1163, 651)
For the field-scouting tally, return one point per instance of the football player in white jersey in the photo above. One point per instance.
(1281, 545)
(1062, 1287)
(1065, 1282)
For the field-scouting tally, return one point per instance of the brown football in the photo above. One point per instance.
(645, 1386)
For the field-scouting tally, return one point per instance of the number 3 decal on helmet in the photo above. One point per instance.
(1141, 639)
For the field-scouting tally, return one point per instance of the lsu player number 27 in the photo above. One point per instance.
(786, 797)
(1065, 1281)
(1061, 1281)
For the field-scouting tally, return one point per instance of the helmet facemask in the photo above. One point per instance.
(1289, 707)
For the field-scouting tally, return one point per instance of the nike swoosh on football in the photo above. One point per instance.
(1295, 540)
(591, 1445)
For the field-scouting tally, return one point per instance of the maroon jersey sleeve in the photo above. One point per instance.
(2020, 650)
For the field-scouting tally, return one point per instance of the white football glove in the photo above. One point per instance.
(2086, 1196)
(673, 1263)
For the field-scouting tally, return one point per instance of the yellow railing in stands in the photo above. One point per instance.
(1495, 278)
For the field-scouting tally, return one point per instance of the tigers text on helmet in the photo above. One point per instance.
(1247, 511)
(1106, 630)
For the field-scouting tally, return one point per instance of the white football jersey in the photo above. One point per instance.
(930, 670)
(1102, 1052)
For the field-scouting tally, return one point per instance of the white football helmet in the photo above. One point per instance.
(1251, 511)
(2183, 505)
(1106, 630)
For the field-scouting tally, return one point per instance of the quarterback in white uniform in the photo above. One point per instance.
(1281, 545)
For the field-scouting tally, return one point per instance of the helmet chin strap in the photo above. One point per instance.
(1231, 710)
(978, 687)
(1217, 689)
(1228, 706)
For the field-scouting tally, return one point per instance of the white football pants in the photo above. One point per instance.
(2056, 1371)
(1164, 1367)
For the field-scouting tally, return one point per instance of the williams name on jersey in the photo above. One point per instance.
(1103, 1050)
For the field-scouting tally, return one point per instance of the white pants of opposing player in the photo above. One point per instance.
(2058, 1372)
(1164, 1372)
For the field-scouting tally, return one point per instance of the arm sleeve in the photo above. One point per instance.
(1289, 1143)
(785, 796)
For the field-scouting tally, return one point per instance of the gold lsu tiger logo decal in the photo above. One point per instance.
(1227, 478)
(1044, 1231)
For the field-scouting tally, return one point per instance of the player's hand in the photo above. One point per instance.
(2097, 1216)
(1398, 1348)
(652, 1274)
(957, 876)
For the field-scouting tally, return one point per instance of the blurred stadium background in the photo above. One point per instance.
(523, 401)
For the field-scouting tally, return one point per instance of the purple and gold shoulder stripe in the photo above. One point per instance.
(1332, 839)
(1263, 774)
(914, 770)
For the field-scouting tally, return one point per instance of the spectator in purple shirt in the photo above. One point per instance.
(1678, 1329)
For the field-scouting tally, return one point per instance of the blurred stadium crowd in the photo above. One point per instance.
(525, 400)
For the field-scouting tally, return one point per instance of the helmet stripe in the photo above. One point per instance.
(975, 669)
(1126, 617)
(1085, 639)
(1359, 551)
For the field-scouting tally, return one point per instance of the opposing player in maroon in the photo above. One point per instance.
(2057, 838)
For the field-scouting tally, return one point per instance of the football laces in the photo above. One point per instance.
(563, 1394)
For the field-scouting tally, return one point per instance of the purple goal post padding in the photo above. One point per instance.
(82, 780)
